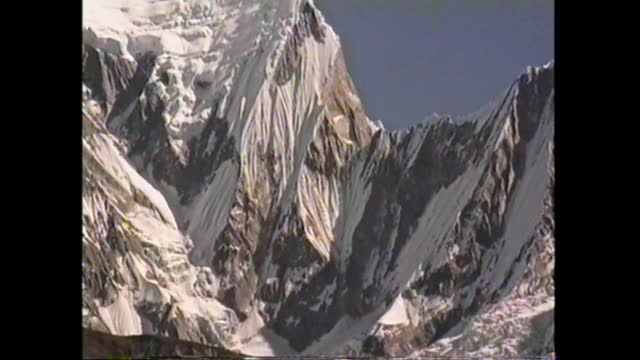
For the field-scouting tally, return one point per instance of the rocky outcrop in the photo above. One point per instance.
(236, 194)
(97, 345)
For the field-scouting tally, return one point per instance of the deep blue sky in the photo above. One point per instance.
(411, 58)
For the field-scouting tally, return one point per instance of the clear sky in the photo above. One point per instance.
(411, 58)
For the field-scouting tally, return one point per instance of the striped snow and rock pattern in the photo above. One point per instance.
(236, 194)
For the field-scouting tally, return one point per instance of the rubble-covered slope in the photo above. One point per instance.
(98, 345)
(236, 194)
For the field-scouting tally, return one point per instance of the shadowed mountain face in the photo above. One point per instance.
(97, 345)
(237, 195)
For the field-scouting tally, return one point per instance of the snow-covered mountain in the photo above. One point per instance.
(236, 194)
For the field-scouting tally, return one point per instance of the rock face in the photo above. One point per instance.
(97, 345)
(236, 194)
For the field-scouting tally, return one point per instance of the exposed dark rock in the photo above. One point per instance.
(98, 345)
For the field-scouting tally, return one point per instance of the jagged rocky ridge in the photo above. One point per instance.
(236, 194)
